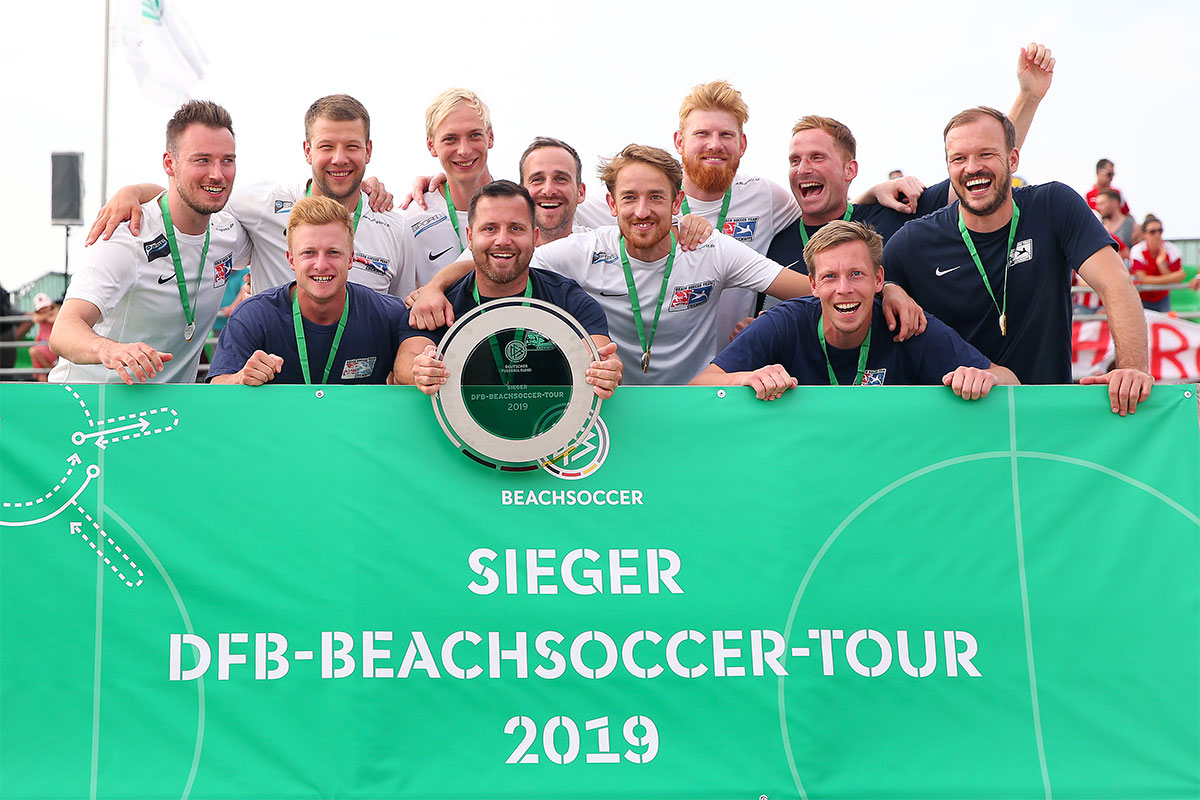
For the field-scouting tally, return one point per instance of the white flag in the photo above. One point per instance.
(165, 58)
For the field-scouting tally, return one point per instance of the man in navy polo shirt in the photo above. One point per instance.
(997, 265)
(840, 336)
(821, 166)
(319, 328)
(502, 235)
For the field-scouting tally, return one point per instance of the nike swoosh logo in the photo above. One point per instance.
(166, 279)
(789, 266)
(614, 294)
(940, 272)
(433, 257)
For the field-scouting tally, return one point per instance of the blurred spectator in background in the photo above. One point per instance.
(1153, 261)
(45, 311)
(1124, 230)
(1104, 176)
(896, 173)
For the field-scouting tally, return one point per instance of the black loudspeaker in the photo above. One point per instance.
(66, 188)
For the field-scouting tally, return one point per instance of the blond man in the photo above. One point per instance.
(319, 328)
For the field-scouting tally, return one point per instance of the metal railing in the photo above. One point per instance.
(1165, 287)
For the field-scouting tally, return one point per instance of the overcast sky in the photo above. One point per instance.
(604, 74)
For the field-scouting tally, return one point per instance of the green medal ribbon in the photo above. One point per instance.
(452, 212)
(497, 356)
(646, 341)
(1002, 306)
(804, 233)
(684, 210)
(301, 345)
(357, 210)
(189, 312)
(862, 356)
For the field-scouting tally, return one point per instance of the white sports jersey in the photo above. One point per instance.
(686, 338)
(436, 243)
(384, 258)
(132, 281)
(594, 212)
(758, 209)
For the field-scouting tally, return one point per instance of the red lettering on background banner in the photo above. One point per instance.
(1079, 345)
(1166, 344)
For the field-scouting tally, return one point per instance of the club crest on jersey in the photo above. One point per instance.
(157, 248)
(604, 257)
(283, 206)
(221, 270)
(420, 227)
(375, 264)
(741, 228)
(1022, 251)
(874, 377)
(691, 296)
(358, 368)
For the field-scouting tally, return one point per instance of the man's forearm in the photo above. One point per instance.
(1127, 323)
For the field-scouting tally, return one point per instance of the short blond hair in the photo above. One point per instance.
(445, 102)
(714, 96)
(318, 211)
(840, 232)
(839, 132)
(644, 154)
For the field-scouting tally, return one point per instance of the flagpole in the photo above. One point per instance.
(104, 112)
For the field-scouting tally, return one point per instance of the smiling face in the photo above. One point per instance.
(711, 145)
(461, 143)
(820, 172)
(980, 166)
(203, 168)
(643, 202)
(549, 175)
(846, 281)
(320, 256)
(339, 152)
(502, 238)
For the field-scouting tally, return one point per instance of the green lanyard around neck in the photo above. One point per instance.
(646, 341)
(1002, 306)
(862, 356)
(189, 312)
(357, 209)
(452, 212)
(497, 356)
(302, 346)
(684, 210)
(804, 233)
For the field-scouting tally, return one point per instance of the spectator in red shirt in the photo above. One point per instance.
(1104, 176)
(1153, 261)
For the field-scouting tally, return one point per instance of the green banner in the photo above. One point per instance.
(290, 592)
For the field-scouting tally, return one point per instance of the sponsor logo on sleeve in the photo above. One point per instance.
(157, 248)
(358, 368)
(222, 268)
(1021, 252)
(375, 264)
(283, 206)
(741, 229)
(691, 296)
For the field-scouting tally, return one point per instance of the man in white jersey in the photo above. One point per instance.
(141, 306)
(337, 144)
(710, 141)
(660, 301)
(458, 133)
(551, 171)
